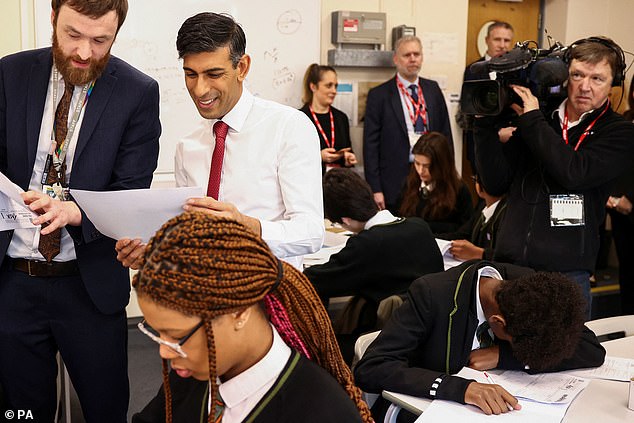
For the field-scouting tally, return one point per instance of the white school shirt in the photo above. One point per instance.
(242, 393)
(489, 272)
(25, 241)
(271, 171)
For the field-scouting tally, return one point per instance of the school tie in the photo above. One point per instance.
(220, 131)
(219, 407)
(49, 245)
(420, 125)
(483, 335)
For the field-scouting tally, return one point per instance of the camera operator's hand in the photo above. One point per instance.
(505, 134)
(528, 99)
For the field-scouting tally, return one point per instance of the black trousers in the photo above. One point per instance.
(40, 316)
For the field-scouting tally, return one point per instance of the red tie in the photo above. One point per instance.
(220, 131)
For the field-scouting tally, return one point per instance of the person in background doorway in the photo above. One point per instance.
(499, 40)
(320, 90)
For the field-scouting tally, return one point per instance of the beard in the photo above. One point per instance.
(72, 74)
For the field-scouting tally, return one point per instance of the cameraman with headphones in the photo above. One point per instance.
(558, 166)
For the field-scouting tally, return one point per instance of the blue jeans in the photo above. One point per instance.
(582, 278)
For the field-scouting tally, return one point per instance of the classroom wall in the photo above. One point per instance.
(10, 42)
(447, 19)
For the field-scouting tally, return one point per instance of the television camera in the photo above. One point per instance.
(543, 71)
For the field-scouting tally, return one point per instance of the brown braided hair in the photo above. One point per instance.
(208, 266)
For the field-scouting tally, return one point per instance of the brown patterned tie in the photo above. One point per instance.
(49, 245)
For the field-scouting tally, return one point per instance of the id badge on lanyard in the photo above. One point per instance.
(567, 210)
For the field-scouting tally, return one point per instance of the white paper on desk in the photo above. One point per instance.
(322, 256)
(14, 214)
(134, 213)
(551, 388)
(614, 368)
(531, 411)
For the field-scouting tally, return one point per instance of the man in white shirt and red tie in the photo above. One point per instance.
(269, 176)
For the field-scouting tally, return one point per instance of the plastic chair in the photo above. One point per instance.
(359, 349)
(610, 325)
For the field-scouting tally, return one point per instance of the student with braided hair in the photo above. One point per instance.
(226, 311)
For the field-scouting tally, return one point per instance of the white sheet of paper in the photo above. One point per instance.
(614, 368)
(550, 388)
(14, 214)
(135, 213)
(448, 259)
(532, 411)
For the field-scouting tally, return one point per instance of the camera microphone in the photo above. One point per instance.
(480, 68)
(548, 72)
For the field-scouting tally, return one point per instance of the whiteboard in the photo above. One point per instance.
(282, 40)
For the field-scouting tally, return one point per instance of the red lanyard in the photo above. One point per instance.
(321, 130)
(564, 128)
(419, 107)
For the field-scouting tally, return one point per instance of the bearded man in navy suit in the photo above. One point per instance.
(70, 298)
(397, 113)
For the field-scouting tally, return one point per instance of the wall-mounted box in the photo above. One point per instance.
(358, 28)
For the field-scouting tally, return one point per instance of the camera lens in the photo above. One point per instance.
(482, 97)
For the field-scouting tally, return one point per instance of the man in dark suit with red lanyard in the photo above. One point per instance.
(397, 113)
(61, 287)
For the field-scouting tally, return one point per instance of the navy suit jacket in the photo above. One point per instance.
(385, 141)
(117, 149)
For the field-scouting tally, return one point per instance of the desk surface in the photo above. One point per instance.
(603, 401)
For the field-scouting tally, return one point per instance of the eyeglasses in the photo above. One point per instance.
(174, 346)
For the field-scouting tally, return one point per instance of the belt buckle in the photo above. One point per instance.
(28, 264)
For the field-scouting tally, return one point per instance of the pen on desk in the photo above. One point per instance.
(489, 378)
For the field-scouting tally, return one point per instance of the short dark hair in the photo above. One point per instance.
(346, 194)
(544, 314)
(93, 8)
(208, 32)
(499, 24)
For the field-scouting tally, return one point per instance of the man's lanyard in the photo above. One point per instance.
(564, 127)
(419, 108)
(330, 144)
(57, 153)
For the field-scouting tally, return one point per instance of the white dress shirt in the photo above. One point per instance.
(488, 272)
(243, 392)
(488, 211)
(25, 241)
(271, 171)
(383, 217)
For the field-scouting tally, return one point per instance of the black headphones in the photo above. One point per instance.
(619, 71)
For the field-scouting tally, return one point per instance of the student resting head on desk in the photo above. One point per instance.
(227, 312)
(535, 324)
